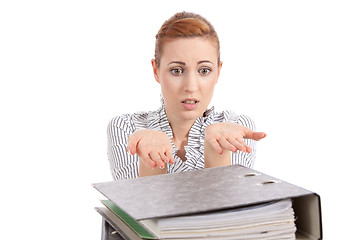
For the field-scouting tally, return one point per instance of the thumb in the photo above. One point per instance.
(254, 135)
(132, 143)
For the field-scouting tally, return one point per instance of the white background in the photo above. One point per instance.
(68, 67)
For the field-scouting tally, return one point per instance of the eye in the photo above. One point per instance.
(177, 71)
(204, 71)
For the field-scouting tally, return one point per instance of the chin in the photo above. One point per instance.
(192, 115)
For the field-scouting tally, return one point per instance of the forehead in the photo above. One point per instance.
(189, 50)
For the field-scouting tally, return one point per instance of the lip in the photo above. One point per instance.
(190, 103)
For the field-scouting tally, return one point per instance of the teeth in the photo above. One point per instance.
(190, 102)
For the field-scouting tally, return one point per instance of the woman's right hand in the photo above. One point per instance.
(153, 147)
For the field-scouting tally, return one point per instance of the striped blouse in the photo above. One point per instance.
(124, 165)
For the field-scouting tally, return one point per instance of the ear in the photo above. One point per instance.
(220, 66)
(155, 70)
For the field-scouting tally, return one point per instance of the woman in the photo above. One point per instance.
(183, 134)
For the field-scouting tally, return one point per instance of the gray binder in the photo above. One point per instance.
(210, 190)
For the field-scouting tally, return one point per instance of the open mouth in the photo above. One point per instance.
(190, 101)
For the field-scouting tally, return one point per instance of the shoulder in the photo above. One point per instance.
(131, 122)
(230, 116)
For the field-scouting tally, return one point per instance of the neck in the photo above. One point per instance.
(180, 129)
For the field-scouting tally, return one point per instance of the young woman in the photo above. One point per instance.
(182, 135)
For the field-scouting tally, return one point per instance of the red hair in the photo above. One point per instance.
(185, 25)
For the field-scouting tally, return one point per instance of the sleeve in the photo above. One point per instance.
(122, 164)
(239, 157)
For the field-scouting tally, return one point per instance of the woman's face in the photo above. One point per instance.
(187, 73)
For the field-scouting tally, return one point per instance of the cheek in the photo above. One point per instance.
(170, 83)
(167, 85)
(208, 84)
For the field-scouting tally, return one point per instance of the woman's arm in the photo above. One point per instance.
(223, 138)
(122, 164)
(212, 158)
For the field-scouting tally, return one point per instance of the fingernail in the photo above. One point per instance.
(128, 151)
(162, 167)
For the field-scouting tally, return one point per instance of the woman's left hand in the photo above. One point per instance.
(229, 136)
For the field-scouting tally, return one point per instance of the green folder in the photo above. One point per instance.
(132, 223)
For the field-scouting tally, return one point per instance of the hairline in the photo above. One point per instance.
(207, 37)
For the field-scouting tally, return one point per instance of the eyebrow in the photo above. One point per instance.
(204, 61)
(182, 63)
(177, 62)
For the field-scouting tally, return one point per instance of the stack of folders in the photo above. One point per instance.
(232, 202)
(274, 220)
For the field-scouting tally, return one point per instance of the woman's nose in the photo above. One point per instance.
(191, 83)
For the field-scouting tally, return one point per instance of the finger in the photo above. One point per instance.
(148, 162)
(169, 155)
(247, 148)
(238, 144)
(157, 159)
(254, 135)
(164, 157)
(215, 144)
(225, 144)
(132, 143)
(258, 135)
(261, 135)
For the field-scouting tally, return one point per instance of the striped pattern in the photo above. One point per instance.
(124, 166)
